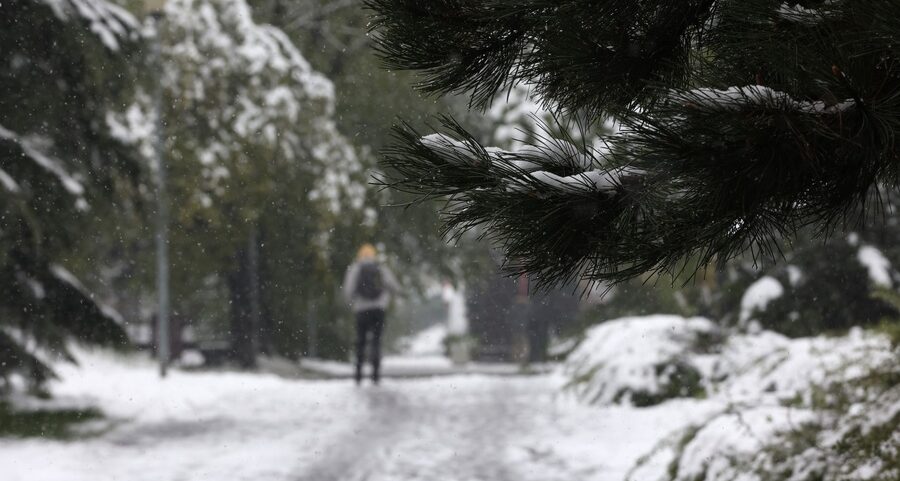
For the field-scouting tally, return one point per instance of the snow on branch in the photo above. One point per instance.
(31, 148)
(8, 182)
(795, 12)
(254, 87)
(529, 169)
(65, 276)
(108, 21)
(734, 98)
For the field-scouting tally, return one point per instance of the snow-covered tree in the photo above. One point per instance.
(62, 68)
(742, 121)
(255, 159)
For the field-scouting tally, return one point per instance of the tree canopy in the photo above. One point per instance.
(740, 122)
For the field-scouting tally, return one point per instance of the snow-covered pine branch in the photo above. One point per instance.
(742, 120)
(34, 149)
(735, 98)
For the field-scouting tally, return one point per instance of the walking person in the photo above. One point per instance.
(368, 286)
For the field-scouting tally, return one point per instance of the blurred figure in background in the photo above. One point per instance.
(457, 323)
(368, 286)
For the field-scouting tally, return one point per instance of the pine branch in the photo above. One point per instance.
(744, 121)
(580, 54)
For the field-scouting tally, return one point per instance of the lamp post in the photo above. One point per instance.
(153, 9)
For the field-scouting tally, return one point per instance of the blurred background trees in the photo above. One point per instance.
(270, 114)
(63, 69)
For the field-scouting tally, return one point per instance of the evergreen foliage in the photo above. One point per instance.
(63, 70)
(741, 122)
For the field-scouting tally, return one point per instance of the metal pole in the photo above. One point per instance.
(162, 212)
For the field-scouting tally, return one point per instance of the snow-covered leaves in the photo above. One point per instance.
(249, 97)
(108, 21)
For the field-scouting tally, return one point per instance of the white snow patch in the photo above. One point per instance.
(810, 16)
(622, 356)
(710, 454)
(429, 342)
(877, 264)
(759, 387)
(795, 275)
(765, 290)
(8, 182)
(757, 95)
(187, 426)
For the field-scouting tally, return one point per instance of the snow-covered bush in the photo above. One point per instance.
(641, 360)
(850, 430)
(821, 288)
(818, 408)
(646, 360)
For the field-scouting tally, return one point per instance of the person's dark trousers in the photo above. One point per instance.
(370, 321)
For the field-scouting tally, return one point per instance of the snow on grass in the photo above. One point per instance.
(188, 426)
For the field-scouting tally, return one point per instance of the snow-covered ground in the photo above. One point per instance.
(471, 427)
(232, 426)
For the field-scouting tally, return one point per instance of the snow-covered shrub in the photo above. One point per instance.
(824, 288)
(767, 365)
(809, 409)
(641, 360)
(723, 448)
(857, 438)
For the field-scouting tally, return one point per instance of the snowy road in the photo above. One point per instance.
(442, 429)
(235, 427)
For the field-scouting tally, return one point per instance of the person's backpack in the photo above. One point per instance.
(369, 284)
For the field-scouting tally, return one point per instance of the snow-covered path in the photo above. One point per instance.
(433, 429)
(228, 426)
